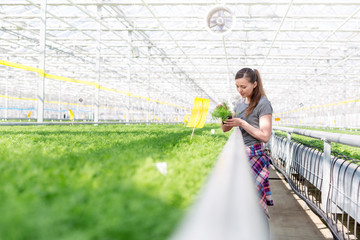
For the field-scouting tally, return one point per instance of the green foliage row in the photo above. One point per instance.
(336, 148)
(100, 182)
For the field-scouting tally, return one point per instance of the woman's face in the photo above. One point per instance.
(244, 87)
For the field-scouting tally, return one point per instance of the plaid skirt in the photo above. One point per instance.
(259, 163)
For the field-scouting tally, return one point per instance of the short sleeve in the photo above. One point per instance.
(265, 107)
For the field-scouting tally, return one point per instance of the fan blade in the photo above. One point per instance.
(228, 20)
(212, 21)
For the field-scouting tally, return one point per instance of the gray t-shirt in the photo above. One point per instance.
(262, 108)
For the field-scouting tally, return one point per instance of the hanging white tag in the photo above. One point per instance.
(162, 167)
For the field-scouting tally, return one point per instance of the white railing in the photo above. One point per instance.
(329, 184)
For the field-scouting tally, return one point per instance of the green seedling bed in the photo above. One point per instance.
(88, 182)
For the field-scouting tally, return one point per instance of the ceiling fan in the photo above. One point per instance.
(220, 20)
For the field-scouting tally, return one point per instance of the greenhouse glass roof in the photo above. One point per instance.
(307, 51)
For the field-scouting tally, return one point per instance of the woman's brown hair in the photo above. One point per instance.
(252, 75)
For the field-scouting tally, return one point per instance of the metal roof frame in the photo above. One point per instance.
(305, 50)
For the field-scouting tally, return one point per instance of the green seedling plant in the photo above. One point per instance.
(222, 111)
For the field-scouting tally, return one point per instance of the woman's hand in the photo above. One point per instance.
(234, 122)
(263, 133)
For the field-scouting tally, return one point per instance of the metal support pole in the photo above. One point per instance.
(128, 97)
(148, 88)
(41, 78)
(288, 153)
(7, 92)
(129, 78)
(98, 66)
(326, 176)
(59, 105)
(163, 110)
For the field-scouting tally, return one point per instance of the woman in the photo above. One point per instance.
(253, 117)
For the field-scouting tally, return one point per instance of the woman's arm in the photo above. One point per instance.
(263, 133)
